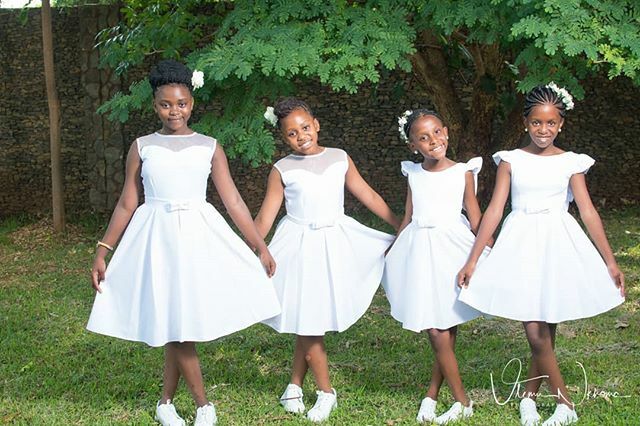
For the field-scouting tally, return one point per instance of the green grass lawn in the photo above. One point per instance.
(52, 371)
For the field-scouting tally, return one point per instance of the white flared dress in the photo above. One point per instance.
(543, 267)
(421, 267)
(329, 265)
(180, 273)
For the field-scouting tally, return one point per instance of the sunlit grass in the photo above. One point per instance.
(52, 371)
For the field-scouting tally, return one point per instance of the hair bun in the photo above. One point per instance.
(170, 71)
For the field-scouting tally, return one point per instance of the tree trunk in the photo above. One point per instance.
(430, 66)
(57, 190)
(478, 131)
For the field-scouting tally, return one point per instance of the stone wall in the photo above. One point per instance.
(605, 125)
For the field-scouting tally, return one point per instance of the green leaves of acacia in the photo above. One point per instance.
(253, 51)
(343, 45)
(603, 34)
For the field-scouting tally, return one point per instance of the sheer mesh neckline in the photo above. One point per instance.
(310, 155)
(175, 142)
(176, 136)
(315, 163)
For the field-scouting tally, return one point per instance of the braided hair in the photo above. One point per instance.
(542, 95)
(286, 106)
(169, 71)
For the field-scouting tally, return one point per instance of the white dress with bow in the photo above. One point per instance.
(421, 267)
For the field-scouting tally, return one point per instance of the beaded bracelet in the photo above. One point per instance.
(105, 245)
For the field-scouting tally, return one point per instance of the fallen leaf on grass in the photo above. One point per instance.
(566, 332)
(621, 324)
(9, 418)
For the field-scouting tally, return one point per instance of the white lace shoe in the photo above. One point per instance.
(291, 399)
(325, 403)
(529, 413)
(206, 415)
(166, 414)
(455, 413)
(427, 411)
(563, 415)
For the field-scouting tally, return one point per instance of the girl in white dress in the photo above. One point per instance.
(543, 269)
(433, 242)
(180, 274)
(329, 265)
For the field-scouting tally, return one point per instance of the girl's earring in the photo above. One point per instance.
(415, 152)
(560, 129)
(526, 130)
(447, 137)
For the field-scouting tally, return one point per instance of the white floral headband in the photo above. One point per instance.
(270, 116)
(197, 79)
(563, 94)
(402, 121)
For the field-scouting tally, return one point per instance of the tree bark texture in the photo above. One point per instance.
(57, 189)
(472, 131)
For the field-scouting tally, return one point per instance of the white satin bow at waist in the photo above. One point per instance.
(318, 223)
(175, 205)
(539, 207)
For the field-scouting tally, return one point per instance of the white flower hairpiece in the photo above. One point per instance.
(197, 79)
(402, 120)
(563, 94)
(270, 116)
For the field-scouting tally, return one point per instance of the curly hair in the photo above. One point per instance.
(169, 71)
(286, 106)
(541, 95)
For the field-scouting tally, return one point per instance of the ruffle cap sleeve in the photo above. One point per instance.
(474, 165)
(407, 167)
(581, 163)
(502, 156)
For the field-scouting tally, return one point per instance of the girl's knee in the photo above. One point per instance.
(437, 334)
(539, 344)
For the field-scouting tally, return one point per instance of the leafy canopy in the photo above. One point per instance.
(252, 51)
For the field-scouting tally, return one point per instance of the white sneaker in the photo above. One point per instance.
(206, 415)
(325, 403)
(455, 413)
(563, 415)
(166, 414)
(529, 412)
(291, 399)
(427, 411)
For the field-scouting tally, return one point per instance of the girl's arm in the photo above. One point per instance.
(489, 223)
(408, 211)
(237, 209)
(470, 201)
(367, 196)
(126, 206)
(592, 221)
(271, 203)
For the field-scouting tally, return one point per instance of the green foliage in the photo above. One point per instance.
(252, 51)
(567, 37)
(139, 98)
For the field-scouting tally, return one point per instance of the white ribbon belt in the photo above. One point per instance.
(174, 205)
(427, 222)
(316, 224)
(538, 208)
